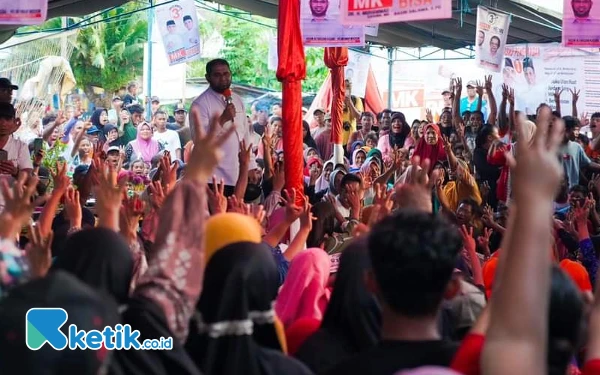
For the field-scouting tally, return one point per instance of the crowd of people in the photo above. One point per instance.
(465, 245)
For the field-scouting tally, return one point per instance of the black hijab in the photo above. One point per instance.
(86, 308)
(397, 139)
(233, 330)
(95, 120)
(308, 140)
(101, 258)
(352, 321)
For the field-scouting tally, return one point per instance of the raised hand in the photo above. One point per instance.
(292, 211)
(73, 208)
(511, 96)
(157, 194)
(505, 89)
(39, 252)
(108, 198)
(488, 83)
(217, 203)
(557, 93)
(60, 180)
(429, 115)
(416, 193)
(19, 205)
(244, 154)
(479, 88)
(168, 172)
(467, 236)
(236, 205)
(131, 211)
(278, 177)
(207, 151)
(538, 173)
(575, 94)
(307, 218)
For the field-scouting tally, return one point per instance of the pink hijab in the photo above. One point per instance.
(304, 293)
(146, 149)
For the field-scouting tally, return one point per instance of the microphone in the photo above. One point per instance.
(227, 95)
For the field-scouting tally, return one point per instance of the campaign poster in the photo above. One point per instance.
(357, 72)
(178, 25)
(23, 12)
(581, 23)
(366, 12)
(372, 30)
(490, 38)
(321, 26)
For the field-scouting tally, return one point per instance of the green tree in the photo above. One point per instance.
(247, 49)
(109, 54)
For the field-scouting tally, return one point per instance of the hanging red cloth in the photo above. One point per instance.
(336, 58)
(291, 70)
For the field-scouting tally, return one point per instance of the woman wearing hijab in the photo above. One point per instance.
(358, 159)
(101, 258)
(431, 146)
(396, 138)
(304, 293)
(99, 119)
(307, 139)
(233, 330)
(144, 146)
(352, 320)
(111, 133)
(497, 157)
(323, 181)
(127, 130)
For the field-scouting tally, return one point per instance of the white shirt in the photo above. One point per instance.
(210, 104)
(18, 153)
(170, 141)
(173, 42)
(191, 38)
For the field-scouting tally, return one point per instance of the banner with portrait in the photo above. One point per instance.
(534, 71)
(581, 23)
(357, 72)
(321, 26)
(23, 12)
(178, 26)
(365, 12)
(490, 38)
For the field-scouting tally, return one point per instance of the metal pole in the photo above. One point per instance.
(149, 61)
(390, 76)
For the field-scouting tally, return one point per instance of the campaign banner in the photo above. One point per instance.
(357, 72)
(178, 26)
(365, 12)
(23, 12)
(321, 26)
(372, 30)
(534, 71)
(581, 23)
(491, 34)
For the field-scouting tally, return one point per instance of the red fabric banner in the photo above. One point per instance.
(291, 70)
(336, 58)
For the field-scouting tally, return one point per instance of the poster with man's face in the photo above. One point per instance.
(581, 23)
(490, 39)
(321, 26)
(178, 26)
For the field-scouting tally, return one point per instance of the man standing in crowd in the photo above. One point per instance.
(155, 103)
(413, 255)
(6, 90)
(113, 113)
(471, 101)
(366, 121)
(132, 95)
(167, 137)
(15, 161)
(262, 118)
(230, 111)
(180, 118)
(319, 117)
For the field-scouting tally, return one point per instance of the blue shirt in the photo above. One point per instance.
(472, 107)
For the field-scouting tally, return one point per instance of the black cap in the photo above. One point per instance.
(508, 62)
(446, 92)
(5, 83)
(7, 110)
(170, 22)
(180, 107)
(185, 18)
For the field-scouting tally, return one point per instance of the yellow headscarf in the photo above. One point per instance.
(225, 229)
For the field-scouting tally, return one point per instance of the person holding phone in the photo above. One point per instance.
(14, 154)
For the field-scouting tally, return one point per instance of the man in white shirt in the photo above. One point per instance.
(173, 40)
(168, 138)
(230, 112)
(191, 35)
(15, 160)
